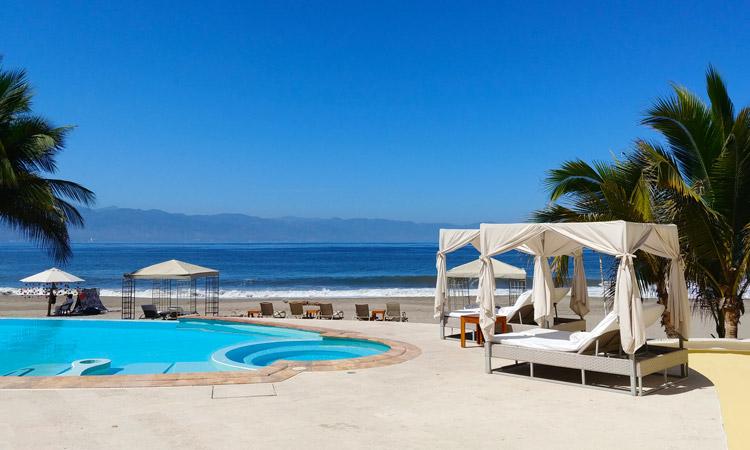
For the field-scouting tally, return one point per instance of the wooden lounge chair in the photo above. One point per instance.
(362, 312)
(296, 310)
(266, 310)
(326, 312)
(393, 312)
(150, 312)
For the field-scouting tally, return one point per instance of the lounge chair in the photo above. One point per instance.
(393, 312)
(296, 310)
(362, 312)
(597, 350)
(327, 312)
(519, 317)
(266, 310)
(150, 312)
(65, 308)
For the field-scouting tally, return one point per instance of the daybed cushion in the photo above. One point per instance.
(565, 341)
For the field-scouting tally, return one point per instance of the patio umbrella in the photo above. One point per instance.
(52, 276)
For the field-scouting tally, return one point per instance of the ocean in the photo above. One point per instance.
(266, 270)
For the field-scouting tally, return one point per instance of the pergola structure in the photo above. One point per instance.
(173, 282)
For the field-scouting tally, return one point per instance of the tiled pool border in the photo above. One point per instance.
(276, 372)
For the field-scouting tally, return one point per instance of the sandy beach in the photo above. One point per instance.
(418, 309)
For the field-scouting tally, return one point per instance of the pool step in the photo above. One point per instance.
(39, 370)
(86, 367)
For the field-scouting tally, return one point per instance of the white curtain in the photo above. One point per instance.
(621, 239)
(579, 290)
(665, 242)
(496, 239)
(450, 241)
(543, 286)
(679, 306)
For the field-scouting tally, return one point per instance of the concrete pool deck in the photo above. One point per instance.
(441, 398)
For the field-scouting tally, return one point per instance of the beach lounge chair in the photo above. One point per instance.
(393, 312)
(64, 308)
(597, 350)
(150, 312)
(519, 316)
(266, 310)
(362, 312)
(296, 310)
(327, 312)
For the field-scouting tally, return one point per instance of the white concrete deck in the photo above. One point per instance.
(441, 399)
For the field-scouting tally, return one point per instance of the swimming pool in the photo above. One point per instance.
(65, 347)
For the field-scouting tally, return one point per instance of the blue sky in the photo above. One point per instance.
(426, 111)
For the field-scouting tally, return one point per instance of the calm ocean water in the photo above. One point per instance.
(265, 270)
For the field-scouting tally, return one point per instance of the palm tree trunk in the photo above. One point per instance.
(663, 298)
(731, 318)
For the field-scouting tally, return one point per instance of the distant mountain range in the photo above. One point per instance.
(151, 226)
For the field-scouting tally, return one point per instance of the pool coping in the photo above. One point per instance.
(278, 371)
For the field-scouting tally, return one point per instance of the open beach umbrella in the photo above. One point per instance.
(53, 275)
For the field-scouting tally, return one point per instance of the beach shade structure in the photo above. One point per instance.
(617, 238)
(460, 280)
(173, 282)
(52, 277)
(502, 270)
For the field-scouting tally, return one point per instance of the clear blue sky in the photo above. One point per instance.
(403, 110)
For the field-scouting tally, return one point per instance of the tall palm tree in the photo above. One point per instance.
(702, 176)
(39, 207)
(583, 192)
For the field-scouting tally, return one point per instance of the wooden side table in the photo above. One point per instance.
(312, 313)
(377, 312)
(474, 318)
(253, 313)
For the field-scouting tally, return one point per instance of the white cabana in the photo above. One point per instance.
(450, 241)
(500, 269)
(53, 275)
(618, 238)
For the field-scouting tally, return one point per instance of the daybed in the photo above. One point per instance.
(598, 350)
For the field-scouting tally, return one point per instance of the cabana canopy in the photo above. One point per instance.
(618, 238)
(173, 270)
(53, 275)
(500, 269)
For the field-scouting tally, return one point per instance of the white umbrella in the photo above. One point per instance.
(53, 275)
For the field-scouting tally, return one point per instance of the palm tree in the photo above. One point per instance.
(582, 192)
(38, 207)
(702, 177)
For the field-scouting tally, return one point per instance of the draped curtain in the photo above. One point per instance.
(579, 290)
(450, 241)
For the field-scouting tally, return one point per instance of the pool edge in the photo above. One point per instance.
(278, 371)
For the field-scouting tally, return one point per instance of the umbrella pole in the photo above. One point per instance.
(49, 299)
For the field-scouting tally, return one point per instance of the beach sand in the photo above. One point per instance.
(418, 309)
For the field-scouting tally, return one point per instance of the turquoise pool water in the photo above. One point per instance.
(48, 347)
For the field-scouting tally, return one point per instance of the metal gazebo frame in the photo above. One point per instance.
(172, 283)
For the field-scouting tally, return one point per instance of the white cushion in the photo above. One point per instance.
(566, 341)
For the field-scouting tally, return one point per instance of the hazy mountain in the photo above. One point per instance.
(135, 225)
